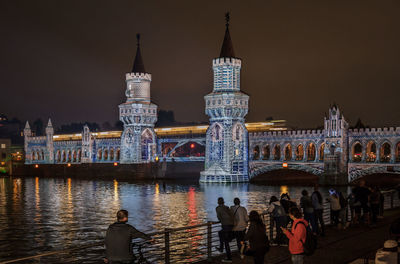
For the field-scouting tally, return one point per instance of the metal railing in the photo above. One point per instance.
(189, 244)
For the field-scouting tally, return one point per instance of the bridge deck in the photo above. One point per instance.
(337, 246)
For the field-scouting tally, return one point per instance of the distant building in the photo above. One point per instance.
(5, 157)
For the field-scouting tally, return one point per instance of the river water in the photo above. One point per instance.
(42, 214)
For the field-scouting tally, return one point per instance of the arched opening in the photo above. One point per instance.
(256, 153)
(311, 152)
(74, 157)
(146, 140)
(266, 152)
(189, 149)
(332, 149)
(105, 154)
(58, 156)
(42, 155)
(33, 155)
(277, 152)
(99, 154)
(64, 158)
(385, 152)
(398, 152)
(300, 152)
(371, 152)
(288, 152)
(79, 155)
(321, 152)
(357, 152)
(237, 132)
(69, 156)
(112, 154)
(118, 153)
(216, 132)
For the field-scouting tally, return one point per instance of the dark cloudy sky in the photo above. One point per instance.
(68, 59)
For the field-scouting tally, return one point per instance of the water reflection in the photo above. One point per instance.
(39, 214)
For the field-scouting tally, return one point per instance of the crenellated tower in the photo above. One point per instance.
(49, 142)
(139, 114)
(27, 135)
(227, 137)
(336, 142)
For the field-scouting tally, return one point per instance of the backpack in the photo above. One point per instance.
(310, 245)
(278, 211)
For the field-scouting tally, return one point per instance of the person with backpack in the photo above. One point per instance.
(257, 237)
(308, 210)
(317, 203)
(225, 216)
(297, 236)
(278, 214)
(240, 219)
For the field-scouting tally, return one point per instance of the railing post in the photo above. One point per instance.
(167, 249)
(209, 240)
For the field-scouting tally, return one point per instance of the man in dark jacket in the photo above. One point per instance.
(225, 216)
(119, 240)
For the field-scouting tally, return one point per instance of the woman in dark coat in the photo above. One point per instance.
(257, 237)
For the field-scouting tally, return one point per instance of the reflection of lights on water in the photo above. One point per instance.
(37, 194)
(284, 189)
(157, 190)
(69, 189)
(116, 195)
(194, 234)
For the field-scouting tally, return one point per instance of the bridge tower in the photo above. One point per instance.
(139, 114)
(336, 144)
(227, 137)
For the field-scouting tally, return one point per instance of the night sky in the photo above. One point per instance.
(67, 59)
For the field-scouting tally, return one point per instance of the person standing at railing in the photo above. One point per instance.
(335, 206)
(240, 219)
(118, 240)
(297, 235)
(375, 199)
(225, 216)
(308, 210)
(287, 203)
(362, 194)
(257, 237)
(278, 214)
(317, 203)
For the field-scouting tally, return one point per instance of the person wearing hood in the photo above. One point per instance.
(297, 235)
(118, 240)
(280, 219)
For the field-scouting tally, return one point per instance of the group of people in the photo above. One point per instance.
(236, 223)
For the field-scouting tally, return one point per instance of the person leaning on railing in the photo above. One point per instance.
(225, 216)
(118, 240)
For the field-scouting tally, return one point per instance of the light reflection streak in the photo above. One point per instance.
(16, 193)
(193, 220)
(284, 189)
(69, 190)
(116, 194)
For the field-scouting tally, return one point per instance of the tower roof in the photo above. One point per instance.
(138, 65)
(27, 125)
(227, 47)
(49, 124)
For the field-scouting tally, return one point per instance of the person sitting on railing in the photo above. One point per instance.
(280, 219)
(257, 237)
(118, 240)
(240, 219)
(225, 216)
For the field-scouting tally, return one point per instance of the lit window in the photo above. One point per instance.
(3, 146)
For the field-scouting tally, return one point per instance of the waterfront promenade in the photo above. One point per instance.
(338, 246)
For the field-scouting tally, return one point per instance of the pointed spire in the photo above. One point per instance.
(138, 66)
(27, 125)
(227, 47)
(49, 124)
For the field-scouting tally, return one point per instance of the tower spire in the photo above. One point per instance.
(138, 65)
(227, 47)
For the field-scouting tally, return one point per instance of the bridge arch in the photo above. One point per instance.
(397, 151)
(259, 168)
(311, 151)
(385, 152)
(288, 152)
(266, 152)
(277, 152)
(356, 151)
(300, 152)
(99, 154)
(371, 151)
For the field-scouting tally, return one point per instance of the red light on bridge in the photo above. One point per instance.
(192, 146)
(69, 164)
(36, 166)
(115, 164)
(285, 165)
